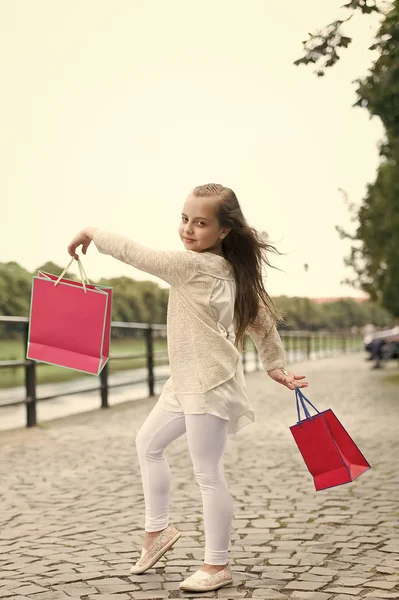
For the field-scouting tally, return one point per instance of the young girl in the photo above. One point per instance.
(216, 296)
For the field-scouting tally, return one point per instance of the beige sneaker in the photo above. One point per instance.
(201, 581)
(149, 557)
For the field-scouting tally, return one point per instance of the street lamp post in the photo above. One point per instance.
(307, 316)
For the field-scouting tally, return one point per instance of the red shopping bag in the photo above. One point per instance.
(70, 322)
(329, 452)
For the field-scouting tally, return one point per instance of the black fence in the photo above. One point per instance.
(298, 345)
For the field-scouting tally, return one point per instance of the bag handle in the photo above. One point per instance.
(301, 398)
(83, 275)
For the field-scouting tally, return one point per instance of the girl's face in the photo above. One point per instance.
(199, 224)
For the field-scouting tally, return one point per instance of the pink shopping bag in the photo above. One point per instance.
(70, 322)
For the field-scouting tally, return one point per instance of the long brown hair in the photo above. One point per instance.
(245, 248)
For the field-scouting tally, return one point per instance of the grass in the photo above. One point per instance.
(14, 350)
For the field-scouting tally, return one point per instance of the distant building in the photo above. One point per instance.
(334, 299)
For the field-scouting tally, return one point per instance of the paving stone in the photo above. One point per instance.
(350, 581)
(26, 590)
(343, 597)
(357, 571)
(381, 584)
(261, 549)
(310, 595)
(304, 585)
(282, 561)
(73, 527)
(391, 563)
(388, 570)
(369, 540)
(153, 595)
(299, 569)
(109, 597)
(264, 524)
(344, 590)
(229, 593)
(309, 577)
(323, 571)
(386, 595)
(76, 589)
(258, 593)
(251, 584)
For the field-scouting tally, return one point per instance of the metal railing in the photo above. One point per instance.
(298, 345)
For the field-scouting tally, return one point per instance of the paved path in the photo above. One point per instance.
(71, 512)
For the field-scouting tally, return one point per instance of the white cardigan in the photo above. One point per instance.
(229, 400)
(200, 356)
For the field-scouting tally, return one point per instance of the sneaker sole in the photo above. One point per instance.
(209, 588)
(156, 558)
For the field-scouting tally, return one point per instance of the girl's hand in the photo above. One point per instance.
(83, 238)
(290, 380)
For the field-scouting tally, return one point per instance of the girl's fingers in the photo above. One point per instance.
(299, 376)
(71, 251)
(293, 384)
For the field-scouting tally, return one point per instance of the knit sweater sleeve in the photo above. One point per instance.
(175, 267)
(267, 341)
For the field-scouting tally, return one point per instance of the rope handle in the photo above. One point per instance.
(299, 396)
(83, 275)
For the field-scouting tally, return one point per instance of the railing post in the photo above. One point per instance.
(104, 386)
(30, 384)
(308, 344)
(344, 341)
(288, 343)
(150, 360)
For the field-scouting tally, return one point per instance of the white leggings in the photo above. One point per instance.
(206, 439)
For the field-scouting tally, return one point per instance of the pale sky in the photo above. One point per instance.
(111, 112)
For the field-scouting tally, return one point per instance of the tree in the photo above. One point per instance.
(375, 253)
(321, 47)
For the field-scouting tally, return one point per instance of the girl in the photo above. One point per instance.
(216, 296)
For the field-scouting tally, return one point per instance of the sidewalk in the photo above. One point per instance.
(72, 511)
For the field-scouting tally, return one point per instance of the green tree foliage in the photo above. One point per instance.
(344, 313)
(374, 255)
(145, 302)
(15, 284)
(321, 48)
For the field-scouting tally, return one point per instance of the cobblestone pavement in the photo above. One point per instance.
(72, 510)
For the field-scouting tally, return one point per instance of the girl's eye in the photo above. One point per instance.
(202, 222)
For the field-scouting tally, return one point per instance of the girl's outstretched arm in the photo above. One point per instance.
(176, 267)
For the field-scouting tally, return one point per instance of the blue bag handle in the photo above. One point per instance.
(299, 396)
